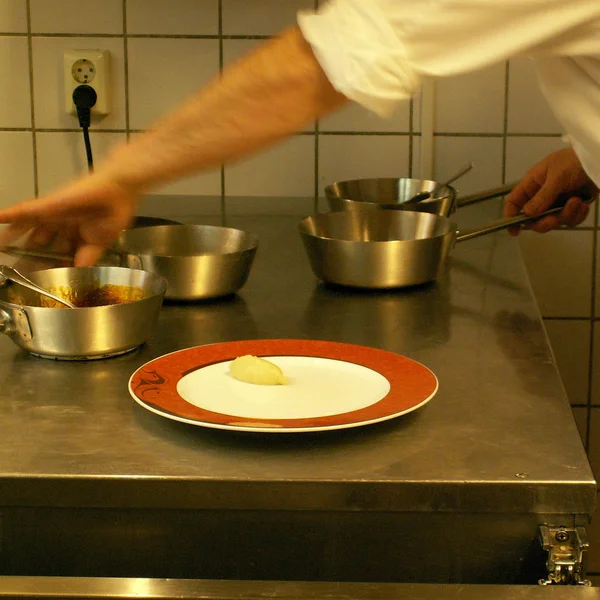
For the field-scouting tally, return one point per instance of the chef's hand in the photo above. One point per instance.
(560, 174)
(83, 217)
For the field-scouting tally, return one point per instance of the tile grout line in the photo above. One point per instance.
(126, 72)
(135, 35)
(317, 141)
(583, 319)
(330, 133)
(592, 331)
(411, 136)
(505, 124)
(223, 204)
(31, 100)
(590, 378)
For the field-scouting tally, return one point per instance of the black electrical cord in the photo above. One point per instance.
(84, 97)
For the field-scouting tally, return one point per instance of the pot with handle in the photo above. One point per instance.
(387, 249)
(86, 332)
(397, 194)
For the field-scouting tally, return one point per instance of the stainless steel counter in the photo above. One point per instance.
(92, 484)
(160, 589)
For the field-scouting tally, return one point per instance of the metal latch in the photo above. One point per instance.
(565, 547)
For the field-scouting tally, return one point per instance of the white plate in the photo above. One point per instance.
(330, 386)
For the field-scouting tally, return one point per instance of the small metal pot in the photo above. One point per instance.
(82, 333)
(198, 261)
(394, 194)
(386, 249)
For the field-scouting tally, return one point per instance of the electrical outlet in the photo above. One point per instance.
(88, 67)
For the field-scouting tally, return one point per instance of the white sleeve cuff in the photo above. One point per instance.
(360, 54)
(590, 166)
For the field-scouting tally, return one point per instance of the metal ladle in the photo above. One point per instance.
(9, 273)
(425, 195)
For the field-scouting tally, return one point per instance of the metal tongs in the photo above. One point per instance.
(426, 195)
(9, 273)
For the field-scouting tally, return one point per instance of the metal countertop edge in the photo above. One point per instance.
(75, 588)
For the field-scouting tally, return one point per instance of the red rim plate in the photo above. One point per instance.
(154, 384)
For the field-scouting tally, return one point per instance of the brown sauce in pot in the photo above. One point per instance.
(104, 295)
(107, 295)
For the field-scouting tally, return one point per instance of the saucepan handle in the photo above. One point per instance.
(485, 194)
(506, 223)
(7, 325)
(35, 253)
(110, 257)
(15, 324)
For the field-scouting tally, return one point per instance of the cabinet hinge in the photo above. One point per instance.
(566, 547)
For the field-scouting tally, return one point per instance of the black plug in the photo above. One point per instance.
(84, 97)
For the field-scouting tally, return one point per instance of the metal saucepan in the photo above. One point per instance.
(397, 194)
(386, 249)
(198, 261)
(116, 312)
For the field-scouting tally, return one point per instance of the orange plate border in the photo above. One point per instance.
(154, 384)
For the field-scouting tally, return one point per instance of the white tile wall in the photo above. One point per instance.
(570, 340)
(13, 16)
(261, 17)
(17, 181)
(157, 17)
(204, 185)
(284, 170)
(528, 111)
(451, 153)
(555, 258)
(595, 366)
(594, 452)
(163, 72)
(352, 156)
(15, 108)
(61, 155)
(597, 280)
(76, 16)
(162, 50)
(471, 103)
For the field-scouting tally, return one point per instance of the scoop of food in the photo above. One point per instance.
(253, 369)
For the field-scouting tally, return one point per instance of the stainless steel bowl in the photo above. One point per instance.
(390, 193)
(198, 261)
(82, 333)
(377, 249)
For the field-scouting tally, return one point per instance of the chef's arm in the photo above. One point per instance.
(269, 94)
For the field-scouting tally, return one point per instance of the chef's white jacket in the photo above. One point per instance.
(376, 52)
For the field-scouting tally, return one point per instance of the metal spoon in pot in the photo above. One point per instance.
(13, 275)
(425, 195)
